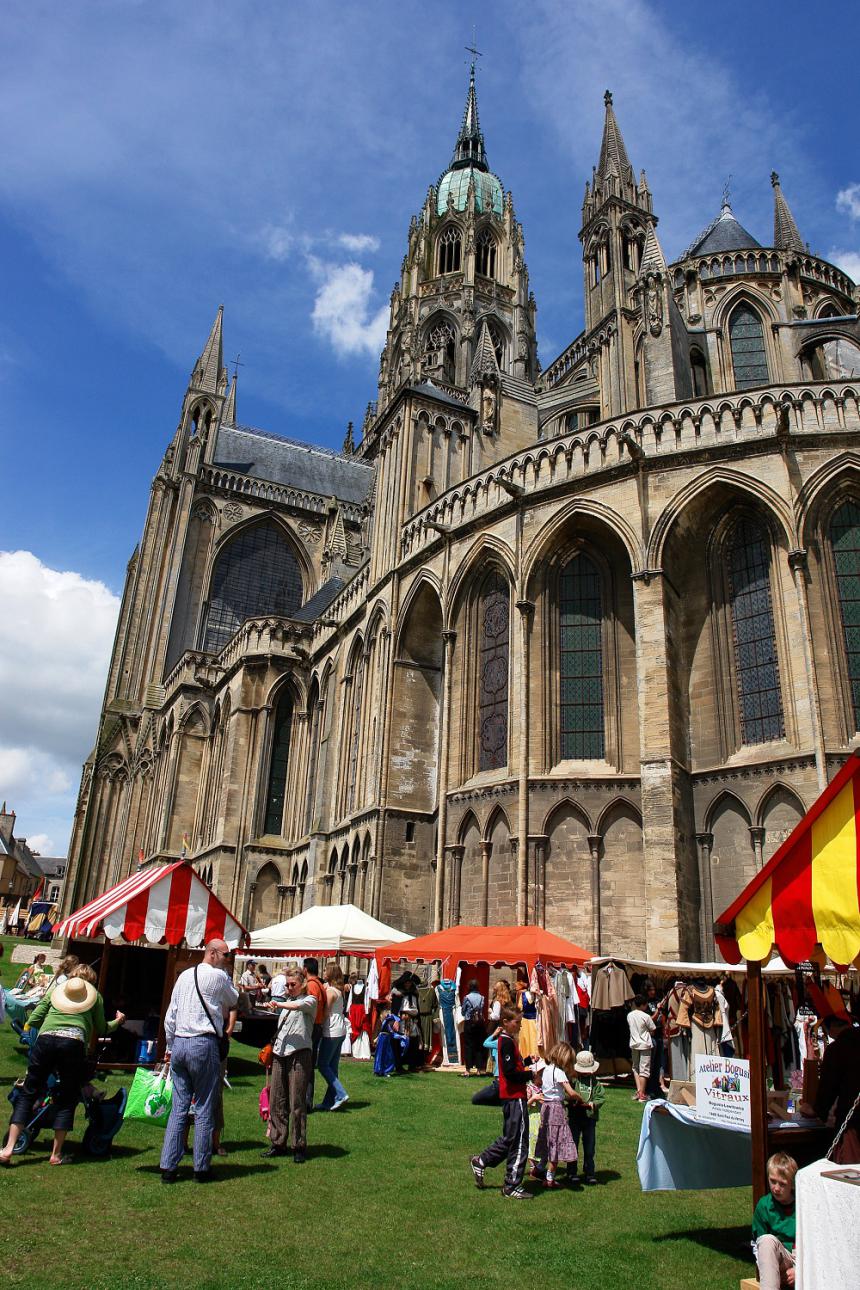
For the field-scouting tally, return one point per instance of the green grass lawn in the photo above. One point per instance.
(386, 1197)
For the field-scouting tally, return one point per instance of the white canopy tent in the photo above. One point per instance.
(325, 929)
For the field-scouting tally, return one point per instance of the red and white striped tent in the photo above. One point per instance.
(166, 904)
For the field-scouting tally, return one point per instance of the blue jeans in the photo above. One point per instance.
(196, 1070)
(329, 1062)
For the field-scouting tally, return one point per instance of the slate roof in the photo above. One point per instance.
(319, 602)
(287, 461)
(722, 234)
(431, 391)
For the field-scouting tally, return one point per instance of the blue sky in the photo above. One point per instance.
(163, 158)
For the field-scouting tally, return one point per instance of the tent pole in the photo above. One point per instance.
(758, 1098)
(103, 968)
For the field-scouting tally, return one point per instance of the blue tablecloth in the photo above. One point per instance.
(17, 1009)
(678, 1152)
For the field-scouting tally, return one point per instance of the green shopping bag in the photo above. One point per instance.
(150, 1096)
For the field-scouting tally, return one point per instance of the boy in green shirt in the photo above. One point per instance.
(583, 1115)
(774, 1225)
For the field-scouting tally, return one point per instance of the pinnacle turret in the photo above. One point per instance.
(228, 416)
(613, 154)
(786, 235)
(485, 362)
(209, 373)
(653, 259)
(469, 149)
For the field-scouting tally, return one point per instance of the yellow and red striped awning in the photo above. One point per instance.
(808, 893)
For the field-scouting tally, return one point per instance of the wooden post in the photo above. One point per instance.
(103, 967)
(758, 1098)
(165, 1000)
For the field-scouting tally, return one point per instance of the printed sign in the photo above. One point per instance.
(723, 1091)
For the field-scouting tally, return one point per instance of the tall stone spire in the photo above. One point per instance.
(786, 235)
(469, 149)
(613, 154)
(209, 373)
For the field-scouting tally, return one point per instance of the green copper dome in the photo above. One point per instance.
(488, 190)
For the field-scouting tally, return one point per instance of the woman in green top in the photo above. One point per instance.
(66, 1021)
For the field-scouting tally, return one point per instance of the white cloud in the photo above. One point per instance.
(41, 843)
(848, 201)
(277, 241)
(358, 243)
(56, 632)
(848, 261)
(342, 312)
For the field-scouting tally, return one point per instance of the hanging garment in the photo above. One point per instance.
(447, 996)
(428, 1010)
(528, 1040)
(679, 1055)
(610, 987)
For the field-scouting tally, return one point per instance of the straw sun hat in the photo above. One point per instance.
(586, 1063)
(73, 996)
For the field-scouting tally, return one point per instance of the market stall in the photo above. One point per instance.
(805, 904)
(494, 946)
(141, 934)
(545, 990)
(325, 930)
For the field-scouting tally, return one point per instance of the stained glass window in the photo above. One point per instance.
(749, 358)
(494, 615)
(278, 764)
(257, 573)
(582, 733)
(756, 664)
(845, 539)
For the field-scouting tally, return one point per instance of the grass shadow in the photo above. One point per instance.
(734, 1241)
(325, 1149)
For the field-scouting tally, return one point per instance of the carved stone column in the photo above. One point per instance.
(448, 640)
(353, 874)
(797, 564)
(526, 609)
(706, 931)
(283, 892)
(594, 843)
(486, 852)
(540, 844)
(362, 883)
(757, 833)
(453, 879)
(249, 900)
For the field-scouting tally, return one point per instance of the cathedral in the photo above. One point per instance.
(574, 646)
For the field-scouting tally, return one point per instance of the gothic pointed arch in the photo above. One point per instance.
(440, 345)
(416, 692)
(255, 572)
(265, 900)
(723, 483)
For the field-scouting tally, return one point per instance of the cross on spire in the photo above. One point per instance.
(237, 365)
(470, 49)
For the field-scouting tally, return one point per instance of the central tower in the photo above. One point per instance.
(462, 302)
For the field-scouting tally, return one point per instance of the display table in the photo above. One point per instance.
(828, 1229)
(678, 1151)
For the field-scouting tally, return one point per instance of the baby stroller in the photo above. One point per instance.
(104, 1117)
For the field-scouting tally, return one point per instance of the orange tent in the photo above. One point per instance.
(808, 894)
(492, 945)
